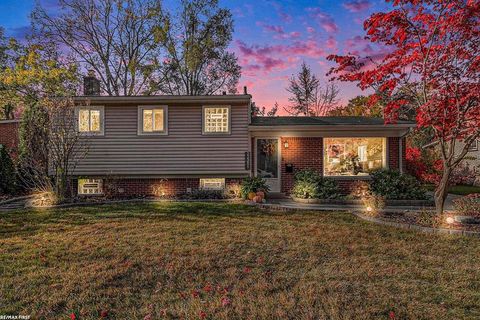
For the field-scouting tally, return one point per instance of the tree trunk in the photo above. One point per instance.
(441, 191)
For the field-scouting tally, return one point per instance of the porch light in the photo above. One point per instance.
(285, 144)
(369, 209)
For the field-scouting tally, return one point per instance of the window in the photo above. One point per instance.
(216, 120)
(474, 146)
(212, 184)
(90, 186)
(90, 120)
(152, 120)
(353, 156)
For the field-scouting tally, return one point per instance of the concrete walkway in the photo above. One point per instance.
(14, 204)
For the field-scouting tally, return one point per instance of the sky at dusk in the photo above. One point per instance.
(271, 39)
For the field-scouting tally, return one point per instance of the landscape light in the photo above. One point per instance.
(450, 220)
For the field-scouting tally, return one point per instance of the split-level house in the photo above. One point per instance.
(167, 145)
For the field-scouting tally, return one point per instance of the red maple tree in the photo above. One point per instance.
(431, 68)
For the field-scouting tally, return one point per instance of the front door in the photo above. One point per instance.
(267, 164)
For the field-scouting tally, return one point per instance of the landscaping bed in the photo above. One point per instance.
(399, 203)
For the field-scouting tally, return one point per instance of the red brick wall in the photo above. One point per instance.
(9, 135)
(307, 153)
(150, 187)
(303, 153)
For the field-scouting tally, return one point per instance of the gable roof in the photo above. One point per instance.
(324, 121)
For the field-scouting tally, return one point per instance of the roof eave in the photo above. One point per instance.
(164, 99)
(346, 127)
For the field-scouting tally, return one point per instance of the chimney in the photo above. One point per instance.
(91, 85)
(245, 90)
(224, 93)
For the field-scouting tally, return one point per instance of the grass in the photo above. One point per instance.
(224, 261)
(458, 189)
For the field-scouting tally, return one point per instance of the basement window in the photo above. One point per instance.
(212, 184)
(90, 186)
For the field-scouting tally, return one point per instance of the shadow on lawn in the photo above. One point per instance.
(32, 220)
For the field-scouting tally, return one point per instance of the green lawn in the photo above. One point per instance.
(459, 189)
(223, 261)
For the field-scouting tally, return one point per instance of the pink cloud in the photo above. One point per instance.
(331, 43)
(310, 30)
(323, 19)
(269, 58)
(279, 31)
(285, 17)
(357, 5)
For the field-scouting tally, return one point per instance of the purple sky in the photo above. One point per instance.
(271, 38)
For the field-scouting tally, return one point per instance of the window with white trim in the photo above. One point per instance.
(353, 156)
(216, 119)
(90, 119)
(90, 186)
(212, 184)
(474, 146)
(152, 120)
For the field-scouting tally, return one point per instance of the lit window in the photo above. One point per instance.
(216, 119)
(152, 120)
(353, 156)
(90, 120)
(90, 186)
(212, 184)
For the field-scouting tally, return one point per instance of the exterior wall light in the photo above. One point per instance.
(285, 144)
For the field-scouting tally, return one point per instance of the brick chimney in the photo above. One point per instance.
(91, 85)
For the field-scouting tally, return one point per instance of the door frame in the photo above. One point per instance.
(279, 159)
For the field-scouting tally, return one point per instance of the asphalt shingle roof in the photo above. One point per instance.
(320, 121)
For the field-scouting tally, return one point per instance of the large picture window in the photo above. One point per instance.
(353, 156)
(90, 120)
(216, 119)
(152, 120)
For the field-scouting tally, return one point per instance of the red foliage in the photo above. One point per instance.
(432, 55)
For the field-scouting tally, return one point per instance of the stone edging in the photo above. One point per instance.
(15, 199)
(417, 227)
(106, 202)
(398, 203)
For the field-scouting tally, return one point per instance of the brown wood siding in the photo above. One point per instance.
(184, 151)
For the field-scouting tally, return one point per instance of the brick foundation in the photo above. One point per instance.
(150, 187)
(9, 135)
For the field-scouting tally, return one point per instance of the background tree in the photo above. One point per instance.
(8, 183)
(262, 112)
(434, 59)
(195, 42)
(308, 98)
(113, 37)
(358, 107)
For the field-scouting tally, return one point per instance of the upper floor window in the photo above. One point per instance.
(90, 119)
(152, 120)
(216, 119)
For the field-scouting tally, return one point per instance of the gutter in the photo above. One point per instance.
(165, 99)
(345, 127)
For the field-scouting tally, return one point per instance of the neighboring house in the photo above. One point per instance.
(9, 135)
(166, 145)
(471, 160)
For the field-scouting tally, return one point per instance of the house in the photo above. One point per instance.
(9, 135)
(166, 145)
(471, 162)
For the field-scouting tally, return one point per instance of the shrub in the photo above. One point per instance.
(253, 184)
(468, 205)
(309, 184)
(8, 178)
(393, 185)
(360, 189)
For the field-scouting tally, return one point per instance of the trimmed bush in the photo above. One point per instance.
(309, 184)
(468, 205)
(253, 184)
(393, 185)
(8, 177)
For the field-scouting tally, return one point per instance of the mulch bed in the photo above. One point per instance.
(426, 219)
